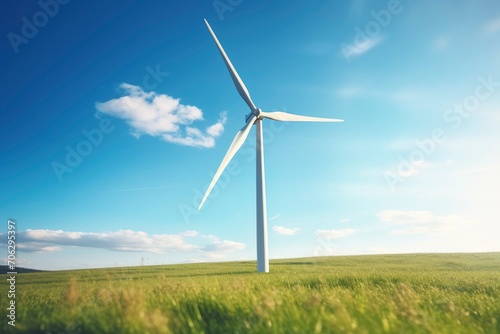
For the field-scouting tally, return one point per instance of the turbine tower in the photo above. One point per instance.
(256, 117)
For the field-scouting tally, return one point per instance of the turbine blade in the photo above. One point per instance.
(287, 117)
(240, 86)
(238, 140)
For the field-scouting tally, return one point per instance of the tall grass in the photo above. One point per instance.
(424, 293)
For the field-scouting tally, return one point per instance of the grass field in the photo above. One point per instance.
(421, 293)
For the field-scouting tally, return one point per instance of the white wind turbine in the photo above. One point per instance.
(255, 116)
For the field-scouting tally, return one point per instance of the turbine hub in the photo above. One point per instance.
(257, 112)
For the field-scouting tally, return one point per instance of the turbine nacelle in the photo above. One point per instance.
(257, 112)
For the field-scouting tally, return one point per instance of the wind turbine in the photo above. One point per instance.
(255, 116)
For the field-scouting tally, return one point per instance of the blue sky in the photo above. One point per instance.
(115, 115)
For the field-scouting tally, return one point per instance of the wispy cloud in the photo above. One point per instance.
(285, 230)
(275, 217)
(492, 26)
(349, 91)
(162, 116)
(441, 43)
(419, 222)
(357, 49)
(218, 245)
(41, 241)
(334, 234)
(409, 169)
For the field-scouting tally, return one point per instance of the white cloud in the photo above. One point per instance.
(420, 222)
(189, 234)
(218, 245)
(285, 230)
(211, 237)
(224, 246)
(122, 240)
(218, 128)
(345, 220)
(163, 116)
(35, 247)
(334, 234)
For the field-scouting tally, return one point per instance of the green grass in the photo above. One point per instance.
(420, 293)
